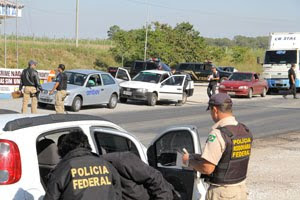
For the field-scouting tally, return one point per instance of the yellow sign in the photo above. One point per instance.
(93, 176)
(241, 148)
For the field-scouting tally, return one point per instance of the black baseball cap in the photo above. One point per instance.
(32, 62)
(219, 100)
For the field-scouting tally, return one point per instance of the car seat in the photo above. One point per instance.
(48, 157)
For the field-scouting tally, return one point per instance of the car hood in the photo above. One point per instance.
(138, 84)
(236, 83)
(49, 86)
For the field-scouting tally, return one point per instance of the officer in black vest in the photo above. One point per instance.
(225, 158)
(61, 87)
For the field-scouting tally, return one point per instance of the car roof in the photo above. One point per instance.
(86, 71)
(244, 73)
(12, 122)
(156, 71)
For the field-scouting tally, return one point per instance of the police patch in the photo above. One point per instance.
(211, 138)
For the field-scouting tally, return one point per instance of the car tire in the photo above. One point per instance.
(264, 93)
(184, 98)
(76, 105)
(123, 100)
(152, 99)
(250, 93)
(42, 105)
(113, 101)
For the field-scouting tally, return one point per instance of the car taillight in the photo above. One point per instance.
(10, 162)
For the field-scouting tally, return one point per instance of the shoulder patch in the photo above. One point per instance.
(211, 138)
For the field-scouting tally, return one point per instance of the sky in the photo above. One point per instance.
(213, 18)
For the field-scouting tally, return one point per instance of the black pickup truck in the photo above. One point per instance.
(200, 71)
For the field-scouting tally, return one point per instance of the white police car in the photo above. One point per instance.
(155, 85)
(28, 151)
(85, 87)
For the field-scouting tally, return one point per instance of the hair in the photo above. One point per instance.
(293, 65)
(62, 67)
(75, 139)
(225, 108)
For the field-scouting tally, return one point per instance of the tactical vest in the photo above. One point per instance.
(233, 165)
(64, 81)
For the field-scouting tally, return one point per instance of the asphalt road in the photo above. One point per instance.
(264, 118)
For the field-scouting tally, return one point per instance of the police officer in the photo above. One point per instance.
(139, 180)
(81, 174)
(213, 81)
(61, 87)
(292, 81)
(225, 158)
(30, 81)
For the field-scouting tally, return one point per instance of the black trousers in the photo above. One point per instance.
(292, 90)
(211, 89)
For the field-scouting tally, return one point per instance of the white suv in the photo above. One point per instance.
(28, 151)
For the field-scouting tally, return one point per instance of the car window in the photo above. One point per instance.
(107, 79)
(94, 80)
(139, 66)
(240, 77)
(122, 75)
(256, 76)
(47, 151)
(76, 78)
(147, 77)
(174, 80)
(171, 143)
(164, 77)
(199, 67)
(207, 67)
(109, 143)
(151, 65)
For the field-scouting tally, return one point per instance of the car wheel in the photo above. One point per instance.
(264, 93)
(152, 99)
(250, 93)
(113, 101)
(123, 100)
(76, 105)
(184, 98)
(42, 105)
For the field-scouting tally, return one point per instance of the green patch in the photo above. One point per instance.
(211, 138)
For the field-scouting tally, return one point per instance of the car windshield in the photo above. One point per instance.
(186, 67)
(76, 78)
(240, 77)
(281, 57)
(147, 77)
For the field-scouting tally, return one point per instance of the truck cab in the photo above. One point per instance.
(282, 53)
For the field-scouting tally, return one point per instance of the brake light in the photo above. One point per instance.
(10, 162)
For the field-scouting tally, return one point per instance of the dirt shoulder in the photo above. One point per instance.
(274, 169)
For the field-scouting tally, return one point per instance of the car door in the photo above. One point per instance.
(110, 86)
(94, 90)
(164, 154)
(257, 89)
(172, 88)
(122, 75)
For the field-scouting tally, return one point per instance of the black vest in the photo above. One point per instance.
(233, 165)
(63, 83)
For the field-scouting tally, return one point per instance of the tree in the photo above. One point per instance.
(112, 31)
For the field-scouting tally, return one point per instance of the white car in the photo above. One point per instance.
(154, 85)
(28, 151)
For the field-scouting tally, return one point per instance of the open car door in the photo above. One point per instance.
(172, 88)
(164, 155)
(122, 75)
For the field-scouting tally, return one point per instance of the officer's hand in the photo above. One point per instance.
(51, 92)
(185, 157)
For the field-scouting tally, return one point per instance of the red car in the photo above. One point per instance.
(244, 84)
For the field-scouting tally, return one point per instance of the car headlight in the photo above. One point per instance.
(243, 87)
(222, 86)
(142, 90)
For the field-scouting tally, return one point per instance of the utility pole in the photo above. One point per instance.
(17, 42)
(77, 18)
(4, 24)
(146, 36)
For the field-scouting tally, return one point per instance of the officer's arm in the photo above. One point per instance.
(55, 86)
(21, 82)
(37, 81)
(201, 165)
(53, 189)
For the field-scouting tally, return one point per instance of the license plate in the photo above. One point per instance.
(129, 93)
(231, 93)
(278, 82)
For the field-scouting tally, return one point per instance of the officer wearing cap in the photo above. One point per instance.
(213, 81)
(225, 158)
(31, 82)
(61, 87)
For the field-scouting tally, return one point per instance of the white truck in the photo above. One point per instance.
(154, 85)
(283, 51)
